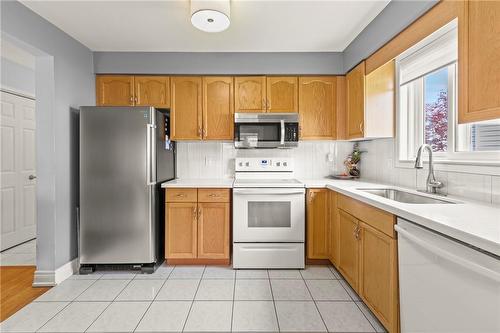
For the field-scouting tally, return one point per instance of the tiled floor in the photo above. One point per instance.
(21, 255)
(196, 299)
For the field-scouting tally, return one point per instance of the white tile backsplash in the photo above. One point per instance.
(377, 164)
(215, 159)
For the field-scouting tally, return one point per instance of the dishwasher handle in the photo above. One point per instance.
(449, 256)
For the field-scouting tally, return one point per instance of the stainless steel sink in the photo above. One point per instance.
(403, 196)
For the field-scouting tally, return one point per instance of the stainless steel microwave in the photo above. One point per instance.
(266, 130)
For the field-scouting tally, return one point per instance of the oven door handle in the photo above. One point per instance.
(282, 142)
(260, 192)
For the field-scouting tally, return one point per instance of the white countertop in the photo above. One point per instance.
(203, 183)
(474, 223)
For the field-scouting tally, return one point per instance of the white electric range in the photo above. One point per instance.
(268, 214)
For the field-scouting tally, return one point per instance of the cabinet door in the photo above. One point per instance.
(218, 108)
(186, 108)
(378, 275)
(334, 228)
(479, 75)
(379, 109)
(348, 248)
(355, 91)
(152, 91)
(318, 224)
(114, 90)
(317, 107)
(282, 94)
(213, 230)
(250, 94)
(181, 230)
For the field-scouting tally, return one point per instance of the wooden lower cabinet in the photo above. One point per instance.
(348, 257)
(181, 229)
(213, 230)
(197, 225)
(318, 224)
(378, 277)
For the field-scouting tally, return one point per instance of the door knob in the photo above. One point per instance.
(31, 177)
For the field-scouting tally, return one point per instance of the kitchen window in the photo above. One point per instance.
(427, 106)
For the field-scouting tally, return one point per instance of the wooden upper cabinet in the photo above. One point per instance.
(355, 104)
(479, 61)
(318, 224)
(379, 108)
(186, 118)
(218, 108)
(152, 91)
(348, 256)
(213, 230)
(282, 94)
(378, 275)
(250, 94)
(181, 230)
(317, 107)
(114, 90)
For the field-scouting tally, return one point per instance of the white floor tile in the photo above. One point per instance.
(93, 276)
(76, 317)
(103, 290)
(66, 291)
(327, 290)
(32, 317)
(215, 290)
(140, 290)
(117, 275)
(254, 316)
(299, 317)
(349, 290)
(317, 272)
(187, 272)
(120, 317)
(284, 274)
(161, 273)
(371, 318)
(252, 274)
(215, 272)
(344, 317)
(256, 290)
(178, 290)
(209, 316)
(290, 290)
(165, 316)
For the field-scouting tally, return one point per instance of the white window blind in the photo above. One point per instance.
(438, 53)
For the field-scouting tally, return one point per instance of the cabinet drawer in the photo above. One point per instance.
(379, 219)
(181, 195)
(213, 195)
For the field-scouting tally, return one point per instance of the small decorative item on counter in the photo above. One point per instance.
(352, 162)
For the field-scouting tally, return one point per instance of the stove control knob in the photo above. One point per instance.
(285, 164)
(278, 164)
(241, 164)
(247, 164)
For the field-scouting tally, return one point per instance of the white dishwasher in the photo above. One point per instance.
(445, 285)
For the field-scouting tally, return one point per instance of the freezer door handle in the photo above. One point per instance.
(447, 255)
(150, 155)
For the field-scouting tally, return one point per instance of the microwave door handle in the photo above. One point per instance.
(282, 132)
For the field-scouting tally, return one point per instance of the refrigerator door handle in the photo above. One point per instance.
(150, 155)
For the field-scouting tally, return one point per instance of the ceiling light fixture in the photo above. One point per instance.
(210, 15)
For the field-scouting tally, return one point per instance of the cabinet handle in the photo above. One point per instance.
(199, 132)
(361, 127)
(180, 195)
(199, 214)
(194, 214)
(311, 196)
(131, 99)
(204, 133)
(213, 195)
(264, 105)
(135, 99)
(268, 104)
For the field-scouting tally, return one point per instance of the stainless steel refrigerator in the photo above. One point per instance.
(125, 155)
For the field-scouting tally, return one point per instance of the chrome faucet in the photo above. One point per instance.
(431, 184)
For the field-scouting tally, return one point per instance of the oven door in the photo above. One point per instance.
(268, 214)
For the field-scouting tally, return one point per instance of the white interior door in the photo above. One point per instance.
(17, 170)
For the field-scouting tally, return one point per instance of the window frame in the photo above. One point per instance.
(452, 160)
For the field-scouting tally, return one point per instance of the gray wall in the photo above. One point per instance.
(218, 63)
(17, 77)
(393, 19)
(64, 81)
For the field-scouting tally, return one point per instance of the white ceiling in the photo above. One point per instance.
(256, 26)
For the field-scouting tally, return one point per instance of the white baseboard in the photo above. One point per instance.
(52, 278)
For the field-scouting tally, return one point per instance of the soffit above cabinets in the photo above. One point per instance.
(256, 26)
